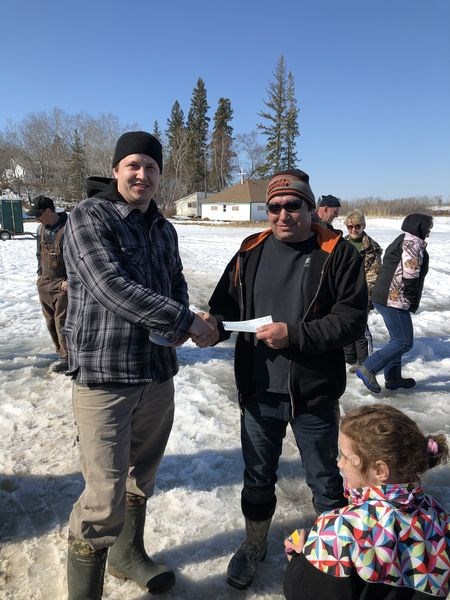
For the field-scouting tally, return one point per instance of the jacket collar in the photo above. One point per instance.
(400, 495)
(326, 238)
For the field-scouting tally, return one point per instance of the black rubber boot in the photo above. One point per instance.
(85, 570)
(244, 563)
(394, 379)
(402, 382)
(127, 558)
(61, 366)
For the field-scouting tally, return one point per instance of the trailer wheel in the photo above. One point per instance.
(5, 235)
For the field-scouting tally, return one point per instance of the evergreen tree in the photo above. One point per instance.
(281, 128)
(160, 191)
(157, 132)
(174, 183)
(197, 127)
(78, 168)
(291, 124)
(221, 147)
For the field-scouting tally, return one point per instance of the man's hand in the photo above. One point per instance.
(204, 331)
(292, 547)
(274, 335)
(64, 285)
(180, 341)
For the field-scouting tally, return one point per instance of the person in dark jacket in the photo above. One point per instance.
(311, 282)
(396, 294)
(392, 541)
(52, 276)
(328, 208)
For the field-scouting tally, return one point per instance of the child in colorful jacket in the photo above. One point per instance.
(392, 542)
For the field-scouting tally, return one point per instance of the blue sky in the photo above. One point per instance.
(372, 76)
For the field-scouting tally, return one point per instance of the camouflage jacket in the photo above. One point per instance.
(371, 253)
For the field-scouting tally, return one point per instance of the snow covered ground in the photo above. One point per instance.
(194, 520)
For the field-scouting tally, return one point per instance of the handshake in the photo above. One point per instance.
(203, 330)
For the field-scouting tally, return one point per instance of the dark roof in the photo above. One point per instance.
(252, 190)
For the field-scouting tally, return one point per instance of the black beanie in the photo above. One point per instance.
(138, 142)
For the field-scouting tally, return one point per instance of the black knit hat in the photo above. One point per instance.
(38, 205)
(138, 142)
(330, 201)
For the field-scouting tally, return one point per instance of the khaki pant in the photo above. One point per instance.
(122, 434)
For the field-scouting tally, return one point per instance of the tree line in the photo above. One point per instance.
(58, 150)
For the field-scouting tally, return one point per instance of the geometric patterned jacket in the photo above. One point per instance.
(392, 534)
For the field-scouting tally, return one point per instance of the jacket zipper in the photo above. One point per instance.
(291, 396)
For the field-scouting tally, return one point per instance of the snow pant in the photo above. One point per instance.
(122, 435)
(263, 427)
(357, 352)
(54, 308)
(401, 339)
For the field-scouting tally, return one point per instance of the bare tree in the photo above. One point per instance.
(248, 145)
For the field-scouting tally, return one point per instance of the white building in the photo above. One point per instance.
(15, 171)
(241, 202)
(190, 206)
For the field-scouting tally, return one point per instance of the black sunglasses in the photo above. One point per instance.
(291, 206)
(356, 226)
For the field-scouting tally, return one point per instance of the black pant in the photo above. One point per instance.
(357, 352)
(263, 427)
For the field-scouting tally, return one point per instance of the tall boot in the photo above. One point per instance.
(394, 380)
(85, 570)
(251, 552)
(127, 558)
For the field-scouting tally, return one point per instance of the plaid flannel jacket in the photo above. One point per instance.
(125, 279)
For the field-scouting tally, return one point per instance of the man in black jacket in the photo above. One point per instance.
(328, 208)
(311, 282)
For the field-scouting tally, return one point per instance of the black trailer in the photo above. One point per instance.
(11, 219)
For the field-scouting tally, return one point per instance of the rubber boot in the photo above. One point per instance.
(403, 382)
(368, 379)
(127, 558)
(61, 366)
(85, 570)
(394, 379)
(244, 563)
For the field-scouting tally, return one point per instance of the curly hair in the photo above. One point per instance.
(382, 432)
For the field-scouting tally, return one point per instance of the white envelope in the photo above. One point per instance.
(249, 326)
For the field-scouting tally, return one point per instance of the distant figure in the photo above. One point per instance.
(396, 294)
(291, 371)
(52, 276)
(357, 352)
(392, 541)
(328, 208)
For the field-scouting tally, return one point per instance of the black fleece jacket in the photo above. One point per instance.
(335, 315)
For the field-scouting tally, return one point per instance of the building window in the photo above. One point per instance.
(214, 208)
(224, 207)
(260, 207)
(235, 208)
